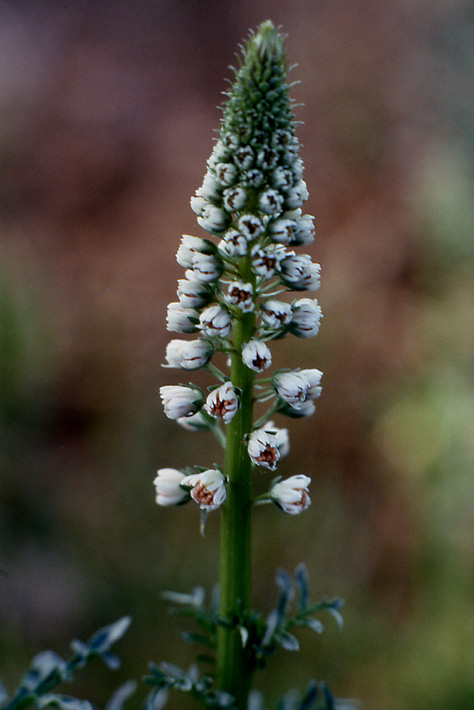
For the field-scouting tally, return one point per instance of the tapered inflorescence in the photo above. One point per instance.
(251, 203)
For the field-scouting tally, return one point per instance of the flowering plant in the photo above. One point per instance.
(233, 300)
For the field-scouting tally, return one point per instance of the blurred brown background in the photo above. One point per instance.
(107, 116)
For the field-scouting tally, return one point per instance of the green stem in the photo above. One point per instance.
(233, 660)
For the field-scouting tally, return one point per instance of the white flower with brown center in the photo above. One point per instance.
(256, 355)
(222, 403)
(207, 488)
(276, 314)
(215, 321)
(263, 449)
(241, 295)
(291, 495)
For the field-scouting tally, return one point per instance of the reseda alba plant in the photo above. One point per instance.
(232, 298)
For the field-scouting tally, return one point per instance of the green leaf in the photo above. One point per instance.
(121, 695)
(46, 668)
(101, 641)
(63, 702)
(287, 641)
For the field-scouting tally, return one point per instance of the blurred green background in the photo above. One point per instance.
(107, 116)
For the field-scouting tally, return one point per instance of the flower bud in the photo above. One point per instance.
(292, 388)
(215, 321)
(234, 244)
(235, 199)
(298, 271)
(263, 449)
(266, 261)
(306, 317)
(188, 354)
(180, 319)
(180, 400)
(192, 293)
(207, 488)
(256, 355)
(296, 195)
(213, 219)
(250, 226)
(168, 487)
(276, 314)
(241, 295)
(190, 246)
(222, 402)
(206, 267)
(270, 202)
(291, 495)
(226, 173)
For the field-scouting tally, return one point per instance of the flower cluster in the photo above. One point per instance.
(250, 204)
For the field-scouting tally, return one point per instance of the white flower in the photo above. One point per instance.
(234, 244)
(291, 495)
(282, 437)
(215, 320)
(306, 319)
(230, 141)
(296, 195)
(291, 387)
(234, 198)
(256, 355)
(226, 173)
(191, 292)
(213, 219)
(313, 378)
(304, 233)
(281, 177)
(180, 319)
(190, 246)
(198, 203)
(253, 177)
(241, 295)
(282, 230)
(266, 261)
(276, 314)
(207, 488)
(180, 401)
(222, 402)
(188, 354)
(263, 449)
(168, 488)
(270, 201)
(206, 267)
(210, 188)
(267, 158)
(244, 157)
(298, 271)
(250, 226)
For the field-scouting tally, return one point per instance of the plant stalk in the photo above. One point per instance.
(233, 659)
